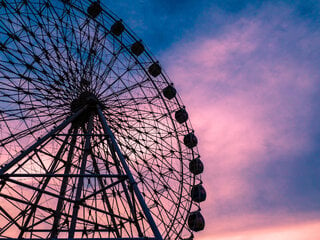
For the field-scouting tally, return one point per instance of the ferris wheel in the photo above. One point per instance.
(95, 142)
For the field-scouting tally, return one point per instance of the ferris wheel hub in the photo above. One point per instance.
(113, 154)
(85, 98)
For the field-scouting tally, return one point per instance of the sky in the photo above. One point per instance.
(248, 73)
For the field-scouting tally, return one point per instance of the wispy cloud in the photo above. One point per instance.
(253, 94)
(304, 231)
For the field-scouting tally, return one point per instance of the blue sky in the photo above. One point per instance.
(162, 23)
(248, 72)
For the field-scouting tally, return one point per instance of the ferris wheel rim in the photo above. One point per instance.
(188, 128)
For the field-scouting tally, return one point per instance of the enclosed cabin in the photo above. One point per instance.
(94, 9)
(196, 221)
(137, 48)
(169, 92)
(154, 69)
(196, 166)
(181, 116)
(190, 140)
(117, 28)
(198, 193)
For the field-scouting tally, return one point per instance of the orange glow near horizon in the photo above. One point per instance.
(303, 231)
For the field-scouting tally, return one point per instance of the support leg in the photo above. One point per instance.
(54, 230)
(87, 150)
(41, 141)
(126, 168)
(44, 185)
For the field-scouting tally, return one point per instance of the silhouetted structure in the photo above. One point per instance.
(95, 141)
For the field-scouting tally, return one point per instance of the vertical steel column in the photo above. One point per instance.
(55, 230)
(105, 197)
(133, 183)
(87, 151)
(44, 185)
(126, 192)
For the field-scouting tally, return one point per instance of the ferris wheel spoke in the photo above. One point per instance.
(44, 183)
(10, 219)
(127, 170)
(134, 179)
(151, 187)
(124, 187)
(48, 210)
(23, 113)
(92, 50)
(125, 90)
(43, 47)
(22, 134)
(108, 70)
(40, 141)
(134, 139)
(105, 197)
(80, 39)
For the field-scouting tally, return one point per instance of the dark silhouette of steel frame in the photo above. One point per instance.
(117, 157)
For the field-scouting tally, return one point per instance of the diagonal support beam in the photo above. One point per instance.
(52, 211)
(103, 189)
(105, 196)
(18, 175)
(133, 183)
(45, 181)
(63, 189)
(9, 217)
(87, 151)
(41, 141)
(124, 186)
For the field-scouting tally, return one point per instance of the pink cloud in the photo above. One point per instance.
(302, 231)
(249, 99)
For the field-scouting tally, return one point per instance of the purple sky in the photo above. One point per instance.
(248, 73)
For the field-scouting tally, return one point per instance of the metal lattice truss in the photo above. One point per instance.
(89, 146)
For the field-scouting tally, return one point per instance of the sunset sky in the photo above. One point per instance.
(248, 73)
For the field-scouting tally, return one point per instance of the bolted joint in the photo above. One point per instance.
(88, 99)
